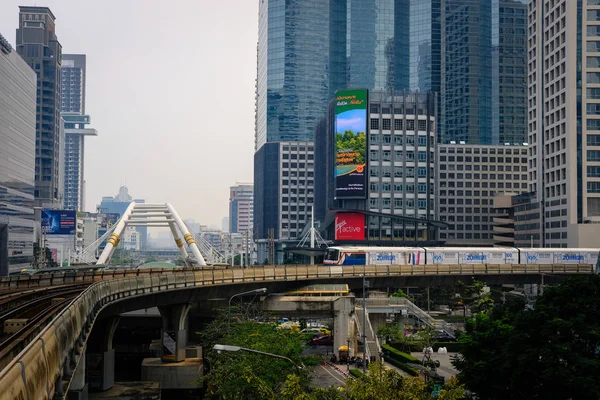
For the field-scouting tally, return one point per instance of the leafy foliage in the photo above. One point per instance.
(552, 351)
(400, 293)
(242, 375)
(474, 297)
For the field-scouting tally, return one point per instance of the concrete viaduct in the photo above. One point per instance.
(53, 363)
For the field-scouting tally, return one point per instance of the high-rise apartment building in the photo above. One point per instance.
(564, 120)
(241, 208)
(17, 158)
(73, 76)
(38, 45)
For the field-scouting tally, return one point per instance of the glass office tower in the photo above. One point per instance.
(297, 66)
(466, 66)
(377, 37)
(509, 68)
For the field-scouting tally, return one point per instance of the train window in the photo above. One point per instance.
(332, 255)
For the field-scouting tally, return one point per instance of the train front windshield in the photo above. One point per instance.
(332, 255)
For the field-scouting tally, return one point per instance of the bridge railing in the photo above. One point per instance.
(37, 371)
(293, 272)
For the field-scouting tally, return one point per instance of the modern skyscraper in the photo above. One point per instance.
(295, 67)
(509, 72)
(73, 112)
(73, 75)
(377, 39)
(466, 68)
(17, 158)
(241, 208)
(564, 120)
(38, 45)
(425, 46)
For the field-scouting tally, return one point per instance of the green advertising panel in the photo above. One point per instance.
(351, 144)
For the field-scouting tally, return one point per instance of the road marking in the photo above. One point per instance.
(334, 377)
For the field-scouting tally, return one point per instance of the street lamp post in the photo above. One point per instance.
(223, 347)
(348, 356)
(255, 291)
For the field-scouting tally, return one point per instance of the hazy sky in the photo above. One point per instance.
(170, 89)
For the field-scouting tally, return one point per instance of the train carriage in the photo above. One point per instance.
(366, 255)
(363, 255)
(472, 255)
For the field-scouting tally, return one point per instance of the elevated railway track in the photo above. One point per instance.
(34, 364)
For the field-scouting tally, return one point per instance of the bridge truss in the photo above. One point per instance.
(150, 215)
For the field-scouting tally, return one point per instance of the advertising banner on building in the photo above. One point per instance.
(349, 226)
(59, 222)
(351, 144)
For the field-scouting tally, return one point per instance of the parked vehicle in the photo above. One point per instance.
(316, 331)
(326, 340)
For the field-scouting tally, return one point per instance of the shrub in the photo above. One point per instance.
(398, 355)
(406, 368)
(357, 373)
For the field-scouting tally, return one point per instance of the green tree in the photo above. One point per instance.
(400, 293)
(550, 352)
(474, 296)
(243, 375)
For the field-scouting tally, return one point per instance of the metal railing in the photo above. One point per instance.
(297, 272)
(411, 308)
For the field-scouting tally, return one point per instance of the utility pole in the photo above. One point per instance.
(271, 246)
(247, 255)
(428, 304)
(230, 250)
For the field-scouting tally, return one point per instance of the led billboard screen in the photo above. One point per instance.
(351, 144)
(349, 226)
(59, 222)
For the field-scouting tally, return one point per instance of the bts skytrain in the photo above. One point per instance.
(365, 255)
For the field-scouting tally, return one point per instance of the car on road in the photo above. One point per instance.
(316, 331)
(325, 340)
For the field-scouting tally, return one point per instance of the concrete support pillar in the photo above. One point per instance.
(100, 360)
(343, 307)
(79, 388)
(174, 332)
